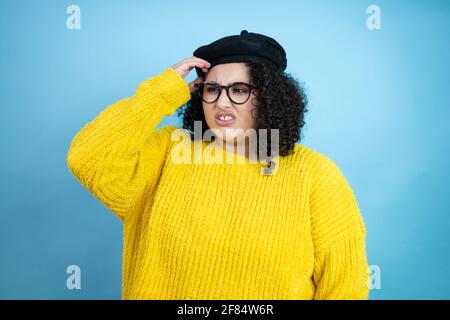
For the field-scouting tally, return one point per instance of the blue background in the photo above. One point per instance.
(379, 108)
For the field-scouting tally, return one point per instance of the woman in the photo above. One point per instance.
(215, 229)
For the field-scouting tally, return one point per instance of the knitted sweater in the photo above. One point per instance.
(214, 230)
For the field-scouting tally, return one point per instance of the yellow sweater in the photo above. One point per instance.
(218, 231)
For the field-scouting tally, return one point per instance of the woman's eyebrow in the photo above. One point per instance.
(227, 84)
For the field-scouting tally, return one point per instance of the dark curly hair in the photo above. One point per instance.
(281, 105)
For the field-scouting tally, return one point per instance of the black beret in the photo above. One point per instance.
(245, 47)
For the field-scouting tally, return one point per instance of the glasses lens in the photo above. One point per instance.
(209, 92)
(239, 93)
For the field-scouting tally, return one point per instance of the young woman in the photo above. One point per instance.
(223, 229)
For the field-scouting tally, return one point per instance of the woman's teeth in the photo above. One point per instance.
(225, 118)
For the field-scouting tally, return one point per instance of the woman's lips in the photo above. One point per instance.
(224, 123)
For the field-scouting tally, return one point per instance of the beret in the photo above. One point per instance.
(245, 47)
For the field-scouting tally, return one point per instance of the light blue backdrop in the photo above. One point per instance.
(379, 107)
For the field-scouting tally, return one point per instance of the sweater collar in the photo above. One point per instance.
(214, 153)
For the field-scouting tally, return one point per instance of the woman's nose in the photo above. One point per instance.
(223, 101)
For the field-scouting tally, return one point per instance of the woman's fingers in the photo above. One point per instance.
(199, 60)
(200, 64)
(185, 66)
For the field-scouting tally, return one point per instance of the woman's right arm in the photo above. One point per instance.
(120, 153)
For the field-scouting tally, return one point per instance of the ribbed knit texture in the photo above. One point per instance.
(218, 230)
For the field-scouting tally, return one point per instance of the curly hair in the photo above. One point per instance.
(281, 104)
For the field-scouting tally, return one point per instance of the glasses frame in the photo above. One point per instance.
(227, 88)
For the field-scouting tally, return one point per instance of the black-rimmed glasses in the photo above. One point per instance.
(237, 92)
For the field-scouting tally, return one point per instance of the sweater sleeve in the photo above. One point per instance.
(120, 153)
(338, 231)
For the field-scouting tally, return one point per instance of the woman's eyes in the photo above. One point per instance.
(237, 90)
(211, 89)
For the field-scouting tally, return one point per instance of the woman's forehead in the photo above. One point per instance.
(228, 73)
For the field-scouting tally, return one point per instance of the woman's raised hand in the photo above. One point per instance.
(185, 66)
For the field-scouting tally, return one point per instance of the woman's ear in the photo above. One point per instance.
(254, 98)
(254, 101)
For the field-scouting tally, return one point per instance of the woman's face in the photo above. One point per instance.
(243, 114)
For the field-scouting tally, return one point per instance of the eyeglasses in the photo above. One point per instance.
(237, 92)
